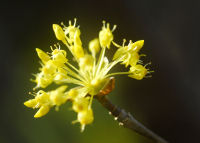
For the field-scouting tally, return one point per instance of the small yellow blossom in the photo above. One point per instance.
(43, 80)
(138, 72)
(94, 46)
(45, 100)
(58, 96)
(85, 117)
(105, 35)
(59, 57)
(73, 94)
(49, 67)
(72, 34)
(80, 104)
(41, 101)
(91, 73)
(135, 47)
(86, 62)
(128, 55)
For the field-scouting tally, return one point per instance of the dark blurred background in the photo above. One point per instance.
(167, 103)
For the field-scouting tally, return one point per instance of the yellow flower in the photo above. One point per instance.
(90, 74)
(70, 36)
(49, 67)
(43, 80)
(94, 46)
(138, 72)
(59, 57)
(58, 96)
(105, 35)
(80, 104)
(86, 62)
(41, 101)
(128, 55)
(45, 100)
(85, 117)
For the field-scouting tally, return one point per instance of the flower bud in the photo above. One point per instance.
(30, 103)
(60, 35)
(94, 46)
(85, 117)
(42, 55)
(42, 111)
(106, 36)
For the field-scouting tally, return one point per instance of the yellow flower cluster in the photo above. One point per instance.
(91, 75)
(45, 100)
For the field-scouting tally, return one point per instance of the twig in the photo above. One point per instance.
(125, 119)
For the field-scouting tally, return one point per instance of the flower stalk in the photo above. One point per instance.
(125, 119)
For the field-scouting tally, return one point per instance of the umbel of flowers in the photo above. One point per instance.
(90, 74)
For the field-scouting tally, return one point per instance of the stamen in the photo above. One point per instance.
(51, 48)
(114, 27)
(70, 23)
(30, 93)
(58, 46)
(124, 41)
(115, 44)
(62, 24)
(104, 23)
(108, 25)
(55, 45)
(149, 63)
(75, 22)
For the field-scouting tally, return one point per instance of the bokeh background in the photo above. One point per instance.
(167, 103)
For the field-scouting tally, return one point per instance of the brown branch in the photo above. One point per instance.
(124, 118)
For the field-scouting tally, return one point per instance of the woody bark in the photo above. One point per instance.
(125, 119)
